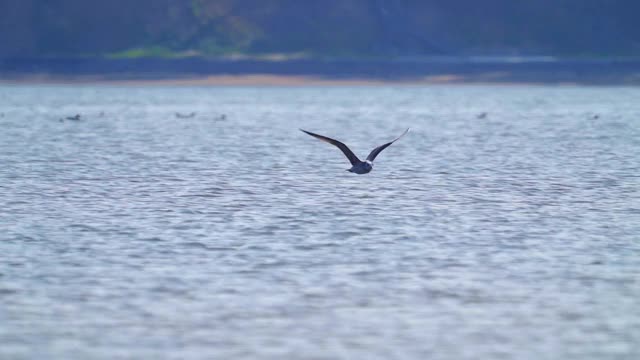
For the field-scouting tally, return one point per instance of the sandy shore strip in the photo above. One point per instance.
(493, 78)
(226, 80)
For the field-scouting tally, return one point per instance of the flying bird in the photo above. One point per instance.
(357, 166)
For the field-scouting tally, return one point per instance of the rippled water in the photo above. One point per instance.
(135, 234)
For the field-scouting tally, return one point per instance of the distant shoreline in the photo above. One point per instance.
(275, 80)
(217, 72)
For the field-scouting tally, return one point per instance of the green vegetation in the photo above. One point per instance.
(328, 28)
(154, 51)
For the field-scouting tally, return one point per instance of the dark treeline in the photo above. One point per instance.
(332, 28)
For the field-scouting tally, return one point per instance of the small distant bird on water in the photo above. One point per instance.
(185, 116)
(357, 166)
(76, 117)
(482, 115)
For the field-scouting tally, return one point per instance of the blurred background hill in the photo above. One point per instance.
(318, 29)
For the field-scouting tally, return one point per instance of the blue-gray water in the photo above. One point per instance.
(136, 235)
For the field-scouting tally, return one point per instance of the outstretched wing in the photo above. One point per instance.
(379, 149)
(353, 159)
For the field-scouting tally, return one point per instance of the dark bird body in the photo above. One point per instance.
(185, 116)
(357, 166)
(76, 117)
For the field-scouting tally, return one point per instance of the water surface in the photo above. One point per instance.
(133, 234)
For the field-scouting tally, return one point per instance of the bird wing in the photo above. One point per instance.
(379, 149)
(353, 159)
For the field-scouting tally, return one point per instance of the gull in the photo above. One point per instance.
(357, 166)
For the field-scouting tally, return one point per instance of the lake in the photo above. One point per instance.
(135, 234)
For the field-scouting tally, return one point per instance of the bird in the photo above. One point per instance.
(76, 117)
(185, 116)
(482, 115)
(357, 166)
